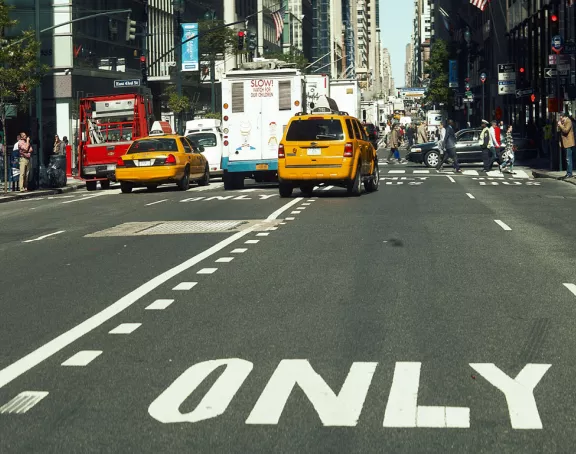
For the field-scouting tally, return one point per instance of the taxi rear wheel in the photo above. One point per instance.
(152, 187)
(373, 181)
(184, 183)
(285, 189)
(205, 180)
(126, 187)
(307, 189)
(355, 186)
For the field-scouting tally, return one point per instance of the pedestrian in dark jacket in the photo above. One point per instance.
(450, 147)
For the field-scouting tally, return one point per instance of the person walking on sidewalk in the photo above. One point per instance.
(394, 143)
(495, 143)
(449, 146)
(25, 150)
(508, 155)
(567, 137)
(422, 136)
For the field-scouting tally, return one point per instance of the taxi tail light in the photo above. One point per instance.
(348, 150)
(120, 162)
(170, 160)
(281, 151)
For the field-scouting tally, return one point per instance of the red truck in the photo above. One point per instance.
(107, 127)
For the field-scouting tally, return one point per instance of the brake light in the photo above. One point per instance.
(348, 150)
(225, 143)
(170, 160)
(281, 151)
(120, 162)
(225, 118)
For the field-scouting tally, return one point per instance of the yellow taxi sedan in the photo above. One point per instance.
(162, 159)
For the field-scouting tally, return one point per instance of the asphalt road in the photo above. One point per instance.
(435, 315)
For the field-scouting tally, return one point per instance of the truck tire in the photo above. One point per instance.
(105, 184)
(91, 185)
(126, 187)
(228, 180)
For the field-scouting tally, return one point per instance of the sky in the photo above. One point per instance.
(396, 25)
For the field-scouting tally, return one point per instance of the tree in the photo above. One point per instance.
(20, 72)
(177, 103)
(213, 42)
(437, 69)
(293, 56)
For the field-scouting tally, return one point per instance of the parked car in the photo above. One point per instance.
(468, 149)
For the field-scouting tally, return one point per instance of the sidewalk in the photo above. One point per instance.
(540, 173)
(71, 185)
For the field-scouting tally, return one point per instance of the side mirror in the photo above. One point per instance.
(201, 148)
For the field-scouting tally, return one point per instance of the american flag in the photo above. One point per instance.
(480, 4)
(278, 17)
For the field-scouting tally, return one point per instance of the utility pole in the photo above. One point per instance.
(39, 118)
(467, 38)
(178, 6)
(211, 15)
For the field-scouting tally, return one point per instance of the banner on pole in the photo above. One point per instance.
(190, 49)
(453, 74)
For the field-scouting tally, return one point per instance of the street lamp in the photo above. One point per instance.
(468, 38)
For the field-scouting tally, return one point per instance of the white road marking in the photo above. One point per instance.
(263, 234)
(247, 190)
(239, 251)
(23, 402)
(306, 204)
(494, 173)
(396, 171)
(289, 219)
(251, 241)
(272, 228)
(27, 362)
(470, 195)
(207, 271)
(154, 203)
(342, 409)
(82, 358)
(421, 171)
(451, 179)
(44, 236)
(159, 305)
(166, 407)
(571, 287)
(501, 224)
(327, 188)
(470, 172)
(282, 223)
(295, 212)
(224, 259)
(519, 392)
(86, 198)
(125, 328)
(403, 410)
(61, 197)
(301, 208)
(311, 200)
(184, 286)
(521, 174)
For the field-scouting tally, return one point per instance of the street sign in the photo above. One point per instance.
(483, 77)
(552, 72)
(506, 78)
(127, 83)
(524, 92)
(561, 59)
(557, 43)
(506, 87)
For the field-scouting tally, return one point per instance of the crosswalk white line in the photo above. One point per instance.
(470, 172)
(421, 171)
(396, 171)
(23, 402)
(521, 174)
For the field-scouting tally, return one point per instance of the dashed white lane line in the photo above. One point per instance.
(86, 198)
(27, 362)
(272, 228)
(125, 328)
(154, 203)
(238, 251)
(289, 219)
(159, 305)
(327, 188)
(224, 259)
(207, 271)
(251, 241)
(82, 358)
(397, 171)
(311, 200)
(295, 212)
(44, 236)
(23, 402)
(421, 171)
(571, 287)
(263, 234)
(501, 224)
(470, 195)
(185, 286)
(306, 204)
(451, 179)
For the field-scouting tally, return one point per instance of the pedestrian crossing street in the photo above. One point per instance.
(519, 174)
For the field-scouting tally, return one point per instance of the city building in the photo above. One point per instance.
(327, 41)
(409, 65)
(422, 34)
(387, 81)
(297, 35)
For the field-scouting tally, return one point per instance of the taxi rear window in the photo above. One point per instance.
(315, 129)
(145, 145)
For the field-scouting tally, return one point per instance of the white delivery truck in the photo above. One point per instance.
(258, 100)
(315, 86)
(346, 93)
(207, 133)
(369, 112)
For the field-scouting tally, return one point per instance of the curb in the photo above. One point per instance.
(41, 193)
(545, 174)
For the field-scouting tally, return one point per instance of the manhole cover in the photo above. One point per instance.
(182, 227)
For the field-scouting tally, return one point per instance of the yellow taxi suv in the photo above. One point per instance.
(328, 147)
(162, 158)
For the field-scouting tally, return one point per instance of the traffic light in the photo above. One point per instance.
(521, 76)
(144, 70)
(532, 97)
(130, 29)
(252, 41)
(554, 21)
(241, 36)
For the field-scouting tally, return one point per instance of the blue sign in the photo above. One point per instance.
(557, 43)
(190, 60)
(453, 74)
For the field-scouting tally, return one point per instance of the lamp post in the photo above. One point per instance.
(179, 6)
(467, 38)
(211, 16)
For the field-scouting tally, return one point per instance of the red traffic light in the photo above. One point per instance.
(241, 34)
(143, 59)
(522, 70)
(533, 97)
(554, 18)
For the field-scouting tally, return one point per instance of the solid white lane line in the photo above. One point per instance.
(501, 224)
(251, 241)
(470, 195)
(185, 286)
(239, 250)
(125, 328)
(451, 179)
(27, 362)
(263, 234)
(154, 203)
(44, 236)
(23, 402)
(85, 198)
(82, 358)
(327, 188)
(224, 259)
(159, 305)
(571, 287)
(207, 271)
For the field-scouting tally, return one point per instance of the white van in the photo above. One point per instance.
(207, 133)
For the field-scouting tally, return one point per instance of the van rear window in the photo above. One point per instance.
(315, 129)
(206, 139)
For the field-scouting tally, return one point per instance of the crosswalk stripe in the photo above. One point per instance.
(396, 171)
(521, 174)
(470, 172)
(421, 171)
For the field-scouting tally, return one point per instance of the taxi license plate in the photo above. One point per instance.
(313, 151)
(144, 163)
(261, 166)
